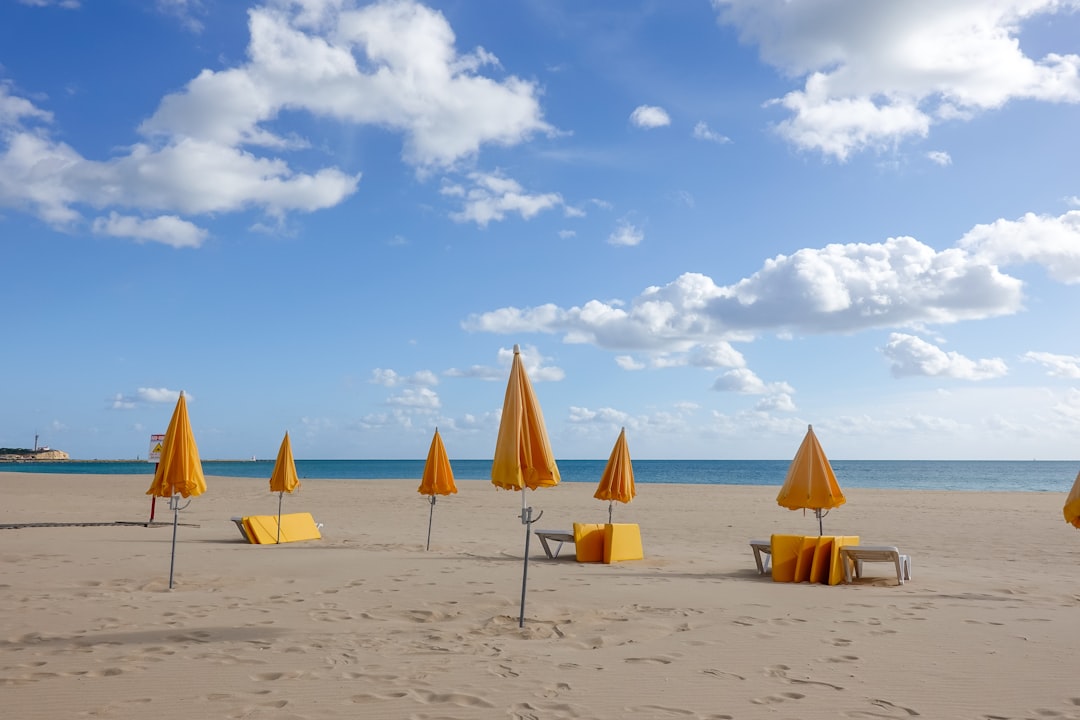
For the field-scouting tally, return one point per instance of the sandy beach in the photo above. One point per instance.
(365, 623)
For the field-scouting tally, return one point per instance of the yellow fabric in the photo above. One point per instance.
(810, 483)
(617, 482)
(284, 478)
(799, 558)
(819, 569)
(589, 542)
(805, 559)
(1072, 504)
(438, 478)
(179, 470)
(263, 529)
(836, 564)
(622, 541)
(785, 556)
(523, 457)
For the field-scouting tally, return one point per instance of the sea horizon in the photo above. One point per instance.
(974, 475)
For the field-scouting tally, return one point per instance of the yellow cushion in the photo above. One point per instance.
(819, 570)
(589, 542)
(805, 559)
(263, 529)
(836, 565)
(622, 541)
(785, 556)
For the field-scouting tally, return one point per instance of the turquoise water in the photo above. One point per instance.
(1028, 475)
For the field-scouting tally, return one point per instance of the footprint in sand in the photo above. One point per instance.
(779, 698)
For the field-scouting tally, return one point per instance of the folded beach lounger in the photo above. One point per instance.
(263, 529)
(559, 536)
(762, 554)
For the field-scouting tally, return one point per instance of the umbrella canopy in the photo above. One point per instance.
(617, 482)
(179, 471)
(284, 477)
(523, 457)
(810, 483)
(438, 476)
(1072, 504)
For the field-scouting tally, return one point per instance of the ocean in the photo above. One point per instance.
(973, 475)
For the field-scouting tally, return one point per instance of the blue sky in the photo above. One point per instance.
(711, 223)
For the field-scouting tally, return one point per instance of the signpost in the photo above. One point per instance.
(154, 456)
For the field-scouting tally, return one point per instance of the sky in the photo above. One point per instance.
(710, 223)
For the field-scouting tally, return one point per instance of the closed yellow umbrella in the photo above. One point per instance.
(617, 482)
(179, 472)
(284, 478)
(1072, 504)
(438, 477)
(523, 457)
(811, 483)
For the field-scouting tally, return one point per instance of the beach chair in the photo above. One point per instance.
(559, 536)
(762, 554)
(853, 557)
(240, 525)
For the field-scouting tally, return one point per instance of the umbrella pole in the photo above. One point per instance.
(820, 527)
(431, 514)
(176, 520)
(610, 505)
(526, 519)
(279, 496)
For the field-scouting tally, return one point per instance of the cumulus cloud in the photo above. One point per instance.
(211, 147)
(1063, 366)
(777, 395)
(913, 356)
(142, 396)
(167, 229)
(649, 116)
(876, 75)
(422, 398)
(390, 378)
(626, 234)
(534, 362)
(939, 157)
(492, 195)
(702, 132)
(1052, 242)
(836, 289)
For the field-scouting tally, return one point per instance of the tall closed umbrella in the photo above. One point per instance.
(283, 479)
(438, 477)
(1072, 504)
(617, 482)
(811, 483)
(523, 457)
(179, 471)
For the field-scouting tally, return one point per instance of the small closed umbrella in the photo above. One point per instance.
(438, 477)
(617, 482)
(811, 483)
(284, 478)
(523, 457)
(179, 471)
(1072, 504)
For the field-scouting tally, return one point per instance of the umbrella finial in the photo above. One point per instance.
(517, 349)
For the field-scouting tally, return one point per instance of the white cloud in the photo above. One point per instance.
(211, 147)
(423, 398)
(1063, 366)
(68, 4)
(532, 360)
(626, 234)
(390, 378)
(1053, 242)
(876, 74)
(913, 356)
(185, 11)
(702, 132)
(939, 157)
(626, 362)
(835, 289)
(166, 229)
(493, 195)
(649, 116)
(156, 396)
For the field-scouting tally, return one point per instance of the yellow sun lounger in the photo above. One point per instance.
(263, 529)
